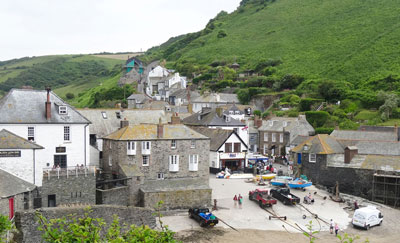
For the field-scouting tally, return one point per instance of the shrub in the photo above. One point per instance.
(221, 34)
(257, 113)
(348, 125)
(366, 115)
(306, 103)
(340, 113)
(265, 114)
(348, 106)
(70, 96)
(324, 130)
(293, 113)
(317, 118)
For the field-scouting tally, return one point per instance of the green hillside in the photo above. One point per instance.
(348, 40)
(74, 74)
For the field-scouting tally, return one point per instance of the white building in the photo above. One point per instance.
(45, 119)
(214, 100)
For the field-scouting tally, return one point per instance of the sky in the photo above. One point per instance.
(47, 27)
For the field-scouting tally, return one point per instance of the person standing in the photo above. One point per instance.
(336, 229)
(240, 198)
(235, 201)
(331, 225)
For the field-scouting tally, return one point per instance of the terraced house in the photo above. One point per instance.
(166, 162)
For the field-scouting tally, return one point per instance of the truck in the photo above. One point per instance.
(284, 195)
(262, 197)
(203, 216)
(367, 217)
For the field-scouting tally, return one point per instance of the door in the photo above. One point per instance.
(11, 207)
(60, 160)
(51, 200)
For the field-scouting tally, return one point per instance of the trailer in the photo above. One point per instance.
(203, 216)
(262, 197)
(284, 195)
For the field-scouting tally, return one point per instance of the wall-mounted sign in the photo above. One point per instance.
(232, 155)
(61, 149)
(10, 153)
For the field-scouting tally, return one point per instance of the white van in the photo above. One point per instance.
(367, 217)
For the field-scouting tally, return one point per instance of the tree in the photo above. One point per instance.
(5, 225)
(333, 91)
(69, 96)
(391, 102)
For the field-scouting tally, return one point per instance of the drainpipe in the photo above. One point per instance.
(34, 165)
(84, 130)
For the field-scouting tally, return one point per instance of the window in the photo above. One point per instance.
(104, 114)
(109, 160)
(273, 137)
(313, 158)
(227, 118)
(62, 110)
(160, 176)
(193, 162)
(146, 147)
(265, 149)
(237, 112)
(236, 147)
(265, 136)
(173, 144)
(146, 160)
(131, 148)
(31, 133)
(193, 143)
(174, 163)
(281, 137)
(230, 112)
(118, 114)
(67, 134)
(228, 148)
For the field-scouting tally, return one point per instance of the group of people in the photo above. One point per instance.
(308, 199)
(333, 226)
(238, 200)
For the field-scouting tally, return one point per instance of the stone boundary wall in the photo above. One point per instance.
(114, 196)
(27, 225)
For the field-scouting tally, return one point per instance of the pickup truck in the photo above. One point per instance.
(203, 216)
(284, 195)
(262, 197)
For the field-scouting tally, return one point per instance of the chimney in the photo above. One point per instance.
(160, 129)
(190, 108)
(257, 122)
(124, 123)
(175, 119)
(349, 153)
(219, 111)
(48, 104)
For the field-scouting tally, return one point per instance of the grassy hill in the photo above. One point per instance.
(347, 40)
(76, 74)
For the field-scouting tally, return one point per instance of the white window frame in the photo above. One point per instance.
(281, 137)
(265, 148)
(266, 136)
(147, 160)
(231, 113)
(312, 160)
(31, 133)
(193, 143)
(160, 176)
(193, 162)
(273, 137)
(146, 147)
(62, 110)
(67, 133)
(131, 148)
(174, 163)
(173, 144)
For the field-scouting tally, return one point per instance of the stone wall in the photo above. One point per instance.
(71, 189)
(22, 202)
(114, 196)
(27, 225)
(180, 199)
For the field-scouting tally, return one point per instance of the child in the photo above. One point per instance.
(240, 201)
(336, 229)
(235, 201)
(331, 225)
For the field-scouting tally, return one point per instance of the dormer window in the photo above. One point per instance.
(237, 112)
(62, 110)
(305, 147)
(230, 112)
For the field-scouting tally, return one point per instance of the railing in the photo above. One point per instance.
(69, 171)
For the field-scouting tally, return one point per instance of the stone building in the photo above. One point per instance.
(276, 135)
(69, 186)
(166, 162)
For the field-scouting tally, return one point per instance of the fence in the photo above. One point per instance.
(70, 171)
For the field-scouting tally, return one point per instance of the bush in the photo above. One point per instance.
(221, 34)
(348, 125)
(324, 130)
(70, 96)
(306, 103)
(265, 114)
(366, 115)
(257, 113)
(348, 106)
(396, 113)
(5, 225)
(293, 113)
(340, 113)
(317, 118)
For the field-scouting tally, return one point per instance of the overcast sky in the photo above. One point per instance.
(44, 27)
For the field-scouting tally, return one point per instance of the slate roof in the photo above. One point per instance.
(233, 108)
(364, 135)
(217, 136)
(320, 144)
(11, 185)
(9, 140)
(373, 147)
(149, 132)
(209, 117)
(23, 106)
(182, 94)
(295, 126)
(139, 98)
(217, 98)
(299, 139)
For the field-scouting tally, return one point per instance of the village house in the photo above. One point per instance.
(213, 100)
(43, 118)
(215, 118)
(166, 162)
(137, 101)
(358, 165)
(227, 149)
(182, 97)
(276, 135)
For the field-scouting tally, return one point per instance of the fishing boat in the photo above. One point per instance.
(281, 180)
(268, 176)
(299, 183)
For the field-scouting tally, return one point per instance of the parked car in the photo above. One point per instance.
(203, 216)
(367, 217)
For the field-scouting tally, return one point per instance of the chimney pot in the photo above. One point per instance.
(160, 129)
(48, 104)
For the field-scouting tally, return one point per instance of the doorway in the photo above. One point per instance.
(51, 200)
(60, 160)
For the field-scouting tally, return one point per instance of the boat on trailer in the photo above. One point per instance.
(299, 183)
(281, 180)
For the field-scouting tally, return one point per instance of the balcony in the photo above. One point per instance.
(70, 171)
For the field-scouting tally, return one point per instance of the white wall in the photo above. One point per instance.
(51, 136)
(94, 156)
(21, 167)
(214, 157)
(243, 134)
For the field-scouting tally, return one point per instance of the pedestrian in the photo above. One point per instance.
(331, 225)
(336, 229)
(235, 201)
(355, 205)
(240, 198)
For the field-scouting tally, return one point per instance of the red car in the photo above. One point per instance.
(262, 197)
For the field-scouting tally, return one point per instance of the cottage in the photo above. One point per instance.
(43, 118)
(137, 101)
(214, 100)
(166, 162)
